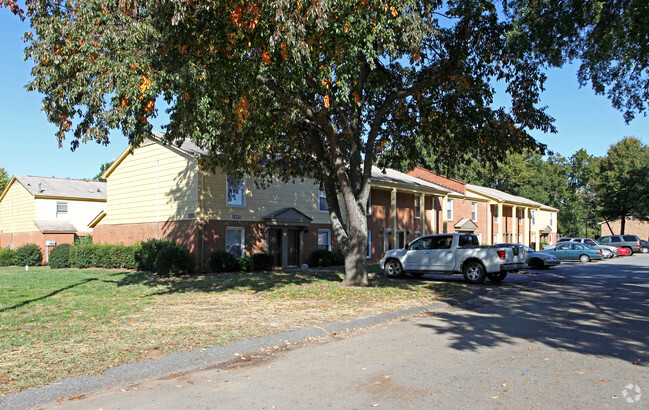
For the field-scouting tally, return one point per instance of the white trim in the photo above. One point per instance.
(242, 245)
(449, 209)
(417, 209)
(241, 187)
(322, 195)
(328, 232)
(474, 211)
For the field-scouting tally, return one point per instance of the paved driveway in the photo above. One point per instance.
(579, 338)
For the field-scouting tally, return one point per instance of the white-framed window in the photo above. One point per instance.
(417, 207)
(236, 192)
(235, 241)
(61, 209)
(449, 209)
(533, 217)
(496, 215)
(324, 239)
(474, 211)
(520, 238)
(323, 206)
(496, 237)
(521, 216)
(551, 218)
(368, 209)
(369, 244)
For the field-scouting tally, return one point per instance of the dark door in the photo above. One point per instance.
(293, 247)
(275, 245)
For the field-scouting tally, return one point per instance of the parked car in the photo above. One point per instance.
(575, 251)
(631, 242)
(534, 259)
(625, 252)
(644, 246)
(453, 253)
(611, 250)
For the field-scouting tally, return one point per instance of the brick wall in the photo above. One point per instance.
(632, 227)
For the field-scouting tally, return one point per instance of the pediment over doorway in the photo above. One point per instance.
(287, 217)
(466, 225)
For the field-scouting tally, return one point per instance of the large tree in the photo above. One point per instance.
(4, 179)
(622, 183)
(320, 88)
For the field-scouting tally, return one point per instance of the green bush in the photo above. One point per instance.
(147, 251)
(125, 255)
(244, 264)
(221, 261)
(82, 254)
(28, 254)
(337, 258)
(172, 260)
(60, 256)
(262, 261)
(7, 256)
(322, 258)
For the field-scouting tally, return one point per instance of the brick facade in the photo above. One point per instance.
(632, 226)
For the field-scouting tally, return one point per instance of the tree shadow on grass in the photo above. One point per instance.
(597, 312)
(222, 282)
(49, 295)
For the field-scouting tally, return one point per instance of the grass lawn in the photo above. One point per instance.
(60, 323)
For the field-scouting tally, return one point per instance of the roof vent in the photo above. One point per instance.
(40, 188)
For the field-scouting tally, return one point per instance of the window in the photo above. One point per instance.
(322, 200)
(496, 237)
(533, 217)
(616, 239)
(324, 239)
(474, 211)
(521, 216)
(369, 244)
(368, 210)
(234, 241)
(417, 207)
(479, 235)
(496, 216)
(236, 192)
(449, 209)
(61, 209)
(520, 238)
(551, 218)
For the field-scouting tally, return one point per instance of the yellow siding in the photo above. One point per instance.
(155, 183)
(17, 210)
(302, 195)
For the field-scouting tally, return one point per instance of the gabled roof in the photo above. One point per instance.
(391, 176)
(45, 187)
(466, 224)
(509, 198)
(288, 217)
(438, 179)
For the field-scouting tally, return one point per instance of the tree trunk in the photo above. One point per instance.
(355, 259)
(622, 225)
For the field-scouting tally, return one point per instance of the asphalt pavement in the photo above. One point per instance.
(576, 336)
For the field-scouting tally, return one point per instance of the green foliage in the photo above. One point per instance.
(262, 261)
(147, 251)
(7, 256)
(82, 254)
(109, 256)
(337, 258)
(172, 260)
(221, 261)
(322, 258)
(60, 256)
(103, 168)
(244, 264)
(4, 179)
(28, 255)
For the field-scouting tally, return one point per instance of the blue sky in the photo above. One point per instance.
(29, 146)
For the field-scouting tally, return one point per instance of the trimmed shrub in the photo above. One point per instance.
(147, 251)
(28, 254)
(244, 264)
(7, 256)
(337, 258)
(172, 260)
(322, 258)
(125, 255)
(60, 256)
(82, 254)
(262, 261)
(221, 261)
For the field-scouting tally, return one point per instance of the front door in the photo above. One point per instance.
(293, 247)
(275, 245)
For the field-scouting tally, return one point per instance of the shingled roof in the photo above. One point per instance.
(63, 188)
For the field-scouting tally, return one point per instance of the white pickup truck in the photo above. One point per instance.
(453, 253)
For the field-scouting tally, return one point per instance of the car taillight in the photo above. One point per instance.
(501, 254)
(598, 252)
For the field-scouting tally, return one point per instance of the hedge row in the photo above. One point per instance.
(27, 255)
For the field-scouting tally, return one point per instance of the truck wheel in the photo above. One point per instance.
(496, 277)
(393, 269)
(474, 272)
(584, 258)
